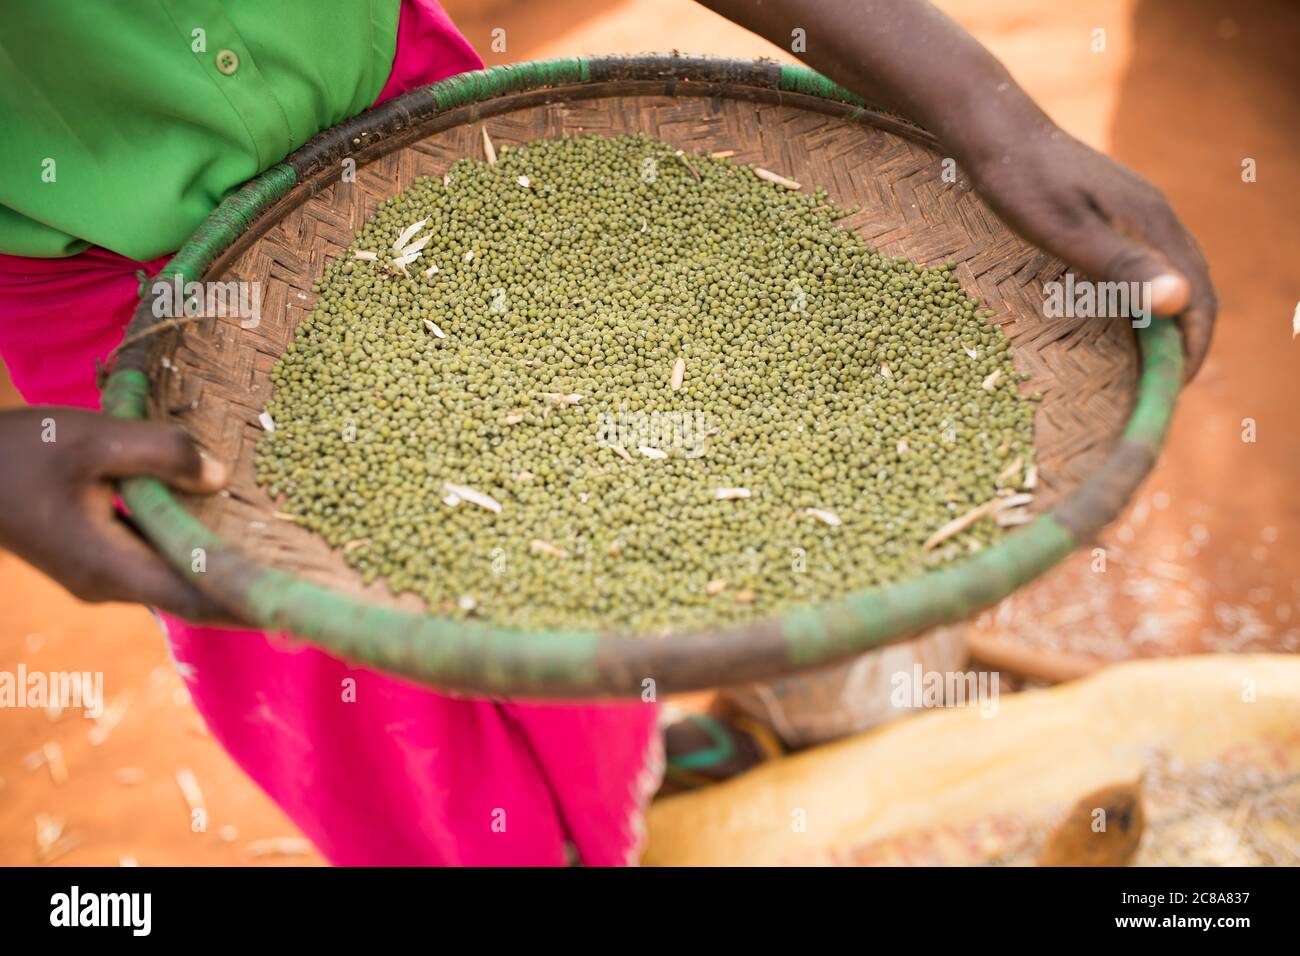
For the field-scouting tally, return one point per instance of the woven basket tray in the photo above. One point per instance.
(1108, 392)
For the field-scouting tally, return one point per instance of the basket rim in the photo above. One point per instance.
(476, 657)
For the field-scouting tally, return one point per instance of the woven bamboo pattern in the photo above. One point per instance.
(212, 376)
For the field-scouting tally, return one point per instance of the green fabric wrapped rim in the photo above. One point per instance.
(482, 658)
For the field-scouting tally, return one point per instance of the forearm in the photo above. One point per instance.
(909, 57)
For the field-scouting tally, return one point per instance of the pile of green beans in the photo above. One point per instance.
(606, 384)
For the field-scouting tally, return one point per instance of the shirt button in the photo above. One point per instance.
(227, 61)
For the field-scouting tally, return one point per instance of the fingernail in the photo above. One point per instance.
(1168, 293)
(213, 473)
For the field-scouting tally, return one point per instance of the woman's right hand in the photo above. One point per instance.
(57, 467)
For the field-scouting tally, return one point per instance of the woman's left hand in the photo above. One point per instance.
(1103, 219)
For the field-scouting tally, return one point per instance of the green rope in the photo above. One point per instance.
(723, 749)
(800, 79)
(229, 221)
(481, 85)
(1161, 343)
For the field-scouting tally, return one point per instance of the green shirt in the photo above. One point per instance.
(124, 122)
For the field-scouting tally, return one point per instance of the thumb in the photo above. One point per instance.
(125, 449)
(1107, 256)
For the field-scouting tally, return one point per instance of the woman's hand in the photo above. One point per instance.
(1103, 219)
(56, 503)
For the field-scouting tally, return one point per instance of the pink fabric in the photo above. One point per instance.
(429, 49)
(58, 316)
(377, 771)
